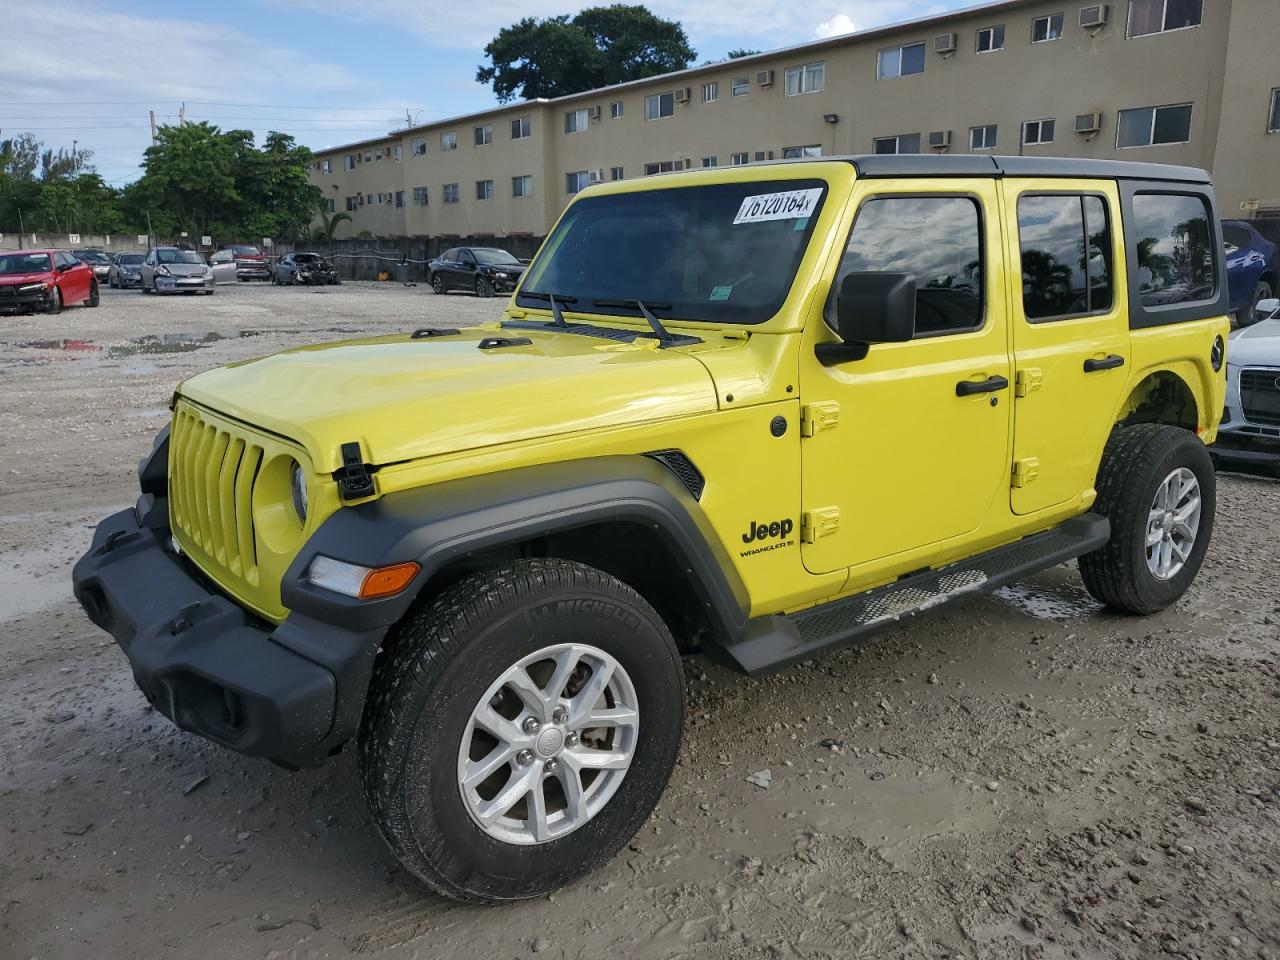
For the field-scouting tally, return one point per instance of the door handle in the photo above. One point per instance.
(967, 388)
(1109, 362)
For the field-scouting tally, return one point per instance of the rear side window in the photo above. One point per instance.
(939, 240)
(1176, 259)
(1066, 256)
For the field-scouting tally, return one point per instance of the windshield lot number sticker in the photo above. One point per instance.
(790, 205)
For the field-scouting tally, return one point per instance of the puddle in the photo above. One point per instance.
(164, 343)
(1043, 602)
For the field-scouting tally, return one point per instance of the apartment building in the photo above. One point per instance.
(1192, 82)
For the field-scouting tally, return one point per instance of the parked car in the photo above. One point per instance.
(174, 270)
(251, 263)
(1250, 431)
(45, 280)
(223, 264)
(479, 553)
(126, 270)
(99, 261)
(305, 268)
(482, 270)
(1251, 268)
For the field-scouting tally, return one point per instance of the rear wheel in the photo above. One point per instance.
(1261, 292)
(520, 729)
(1157, 487)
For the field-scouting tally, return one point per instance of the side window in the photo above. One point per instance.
(1066, 255)
(939, 240)
(1176, 258)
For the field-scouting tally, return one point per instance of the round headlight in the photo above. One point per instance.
(298, 484)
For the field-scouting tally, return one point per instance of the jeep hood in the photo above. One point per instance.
(405, 398)
(1256, 345)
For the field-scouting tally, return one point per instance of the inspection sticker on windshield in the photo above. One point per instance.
(789, 205)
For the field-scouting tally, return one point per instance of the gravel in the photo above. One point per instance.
(1138, 803)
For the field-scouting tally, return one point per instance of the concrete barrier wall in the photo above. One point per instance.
(404, 258)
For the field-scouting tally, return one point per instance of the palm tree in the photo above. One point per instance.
(328, 223)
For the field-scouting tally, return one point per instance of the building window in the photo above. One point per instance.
(349, 162)
(794, 153)
(419, 196)
(903, 61)
(737, 159)
(902, 143)
(1044, 29)
(484, 189)
(575, 121)
(449, 193)
(330, 205)
(740, 86)
(615, 173)
(615, 110)
(900, 235)
(578, 180)
(1159, 16)
(1176, 261)
(326, 166)
(352, 204)
(991, 38)
(659, 105)
(711, 92)
(663, 166)
(1066, 256)
(448, 141)
(396, 152)
(399, 198)
(522, 186)
(1037, 131)
(1273, 123)
(377, 154)
(711, 161)
(521, 128)
(806, 79)
(1148, 126)
(484, 134)
(417, 147)
(982, 138)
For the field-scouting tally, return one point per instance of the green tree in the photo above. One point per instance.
(328, 223)
(19, 186)
(557, 56)
(84, 204)
(738, 54)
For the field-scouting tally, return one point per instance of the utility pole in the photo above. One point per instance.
(182, 115)
(153, 128)
(22, 228)
(75, 158)
(408, 118)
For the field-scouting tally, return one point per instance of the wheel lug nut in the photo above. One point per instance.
(570, 739)
(524, 757)
(560, 715)
(530, 725)
(552, 765)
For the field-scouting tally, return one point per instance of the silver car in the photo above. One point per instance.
(125, 270)
(1250, 430)
(174, 270)
(223, 264)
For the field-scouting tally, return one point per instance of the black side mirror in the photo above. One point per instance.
(870, 308)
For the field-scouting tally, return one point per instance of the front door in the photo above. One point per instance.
(909, 447)
(1070, 335)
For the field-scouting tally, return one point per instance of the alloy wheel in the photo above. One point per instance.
(1172, 523)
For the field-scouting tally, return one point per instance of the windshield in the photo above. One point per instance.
(129, 259)
(92, 256)
(177, 256)
(722, 253)
(493, 258)
(24, 263)
(245, 251)
(306, 258)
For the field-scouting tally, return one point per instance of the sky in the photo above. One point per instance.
(326, 71)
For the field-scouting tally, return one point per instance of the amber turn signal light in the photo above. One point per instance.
(388, 581)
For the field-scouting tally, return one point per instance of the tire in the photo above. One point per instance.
(95, 296)
(439, 666)
(1246, 316)
(1135, 465)
(483, 288)
(55, 301)
(112, 284)
(437, 284)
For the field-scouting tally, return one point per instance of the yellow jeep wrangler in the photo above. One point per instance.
(758, 411)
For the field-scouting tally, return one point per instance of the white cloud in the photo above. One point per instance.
(840, 23)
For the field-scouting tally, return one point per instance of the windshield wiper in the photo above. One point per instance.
(665, 337)
(555, 300)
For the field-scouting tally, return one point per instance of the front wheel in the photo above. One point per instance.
(1157, 486)
(94, 296)
(1246, 316)
(520, 729)
(484, 288)
(437, 283)
(55, 301)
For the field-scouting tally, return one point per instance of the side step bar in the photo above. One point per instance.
(771, 643)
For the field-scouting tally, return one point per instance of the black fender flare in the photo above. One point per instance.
(436, 524)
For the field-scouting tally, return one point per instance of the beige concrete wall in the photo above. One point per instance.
(1084, 71)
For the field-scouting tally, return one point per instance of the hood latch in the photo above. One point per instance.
(355, 480)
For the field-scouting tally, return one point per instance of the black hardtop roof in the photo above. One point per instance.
(880, 166)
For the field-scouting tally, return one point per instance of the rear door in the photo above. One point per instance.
(1070, 334)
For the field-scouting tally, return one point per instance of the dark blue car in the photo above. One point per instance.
(1251, 268)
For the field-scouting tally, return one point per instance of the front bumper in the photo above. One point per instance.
(128, 280)
(1240, 439)
(291, 692)
(253, 271)
(12, 300)
(503, 284)
(182, 284)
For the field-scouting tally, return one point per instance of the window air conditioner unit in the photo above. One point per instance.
(594, 112)
(940, 139)
(682, 95)
(1088, 122)
(944, 43)
(1095, 16)
(764, 78)
(597, 176)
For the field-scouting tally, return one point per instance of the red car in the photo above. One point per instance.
(45, 280)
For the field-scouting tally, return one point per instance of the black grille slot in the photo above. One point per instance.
(678, 463)
(1260, 396)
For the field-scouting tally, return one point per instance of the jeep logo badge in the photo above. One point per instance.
(766, 530)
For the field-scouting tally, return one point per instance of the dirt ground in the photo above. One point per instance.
(1017, 776)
